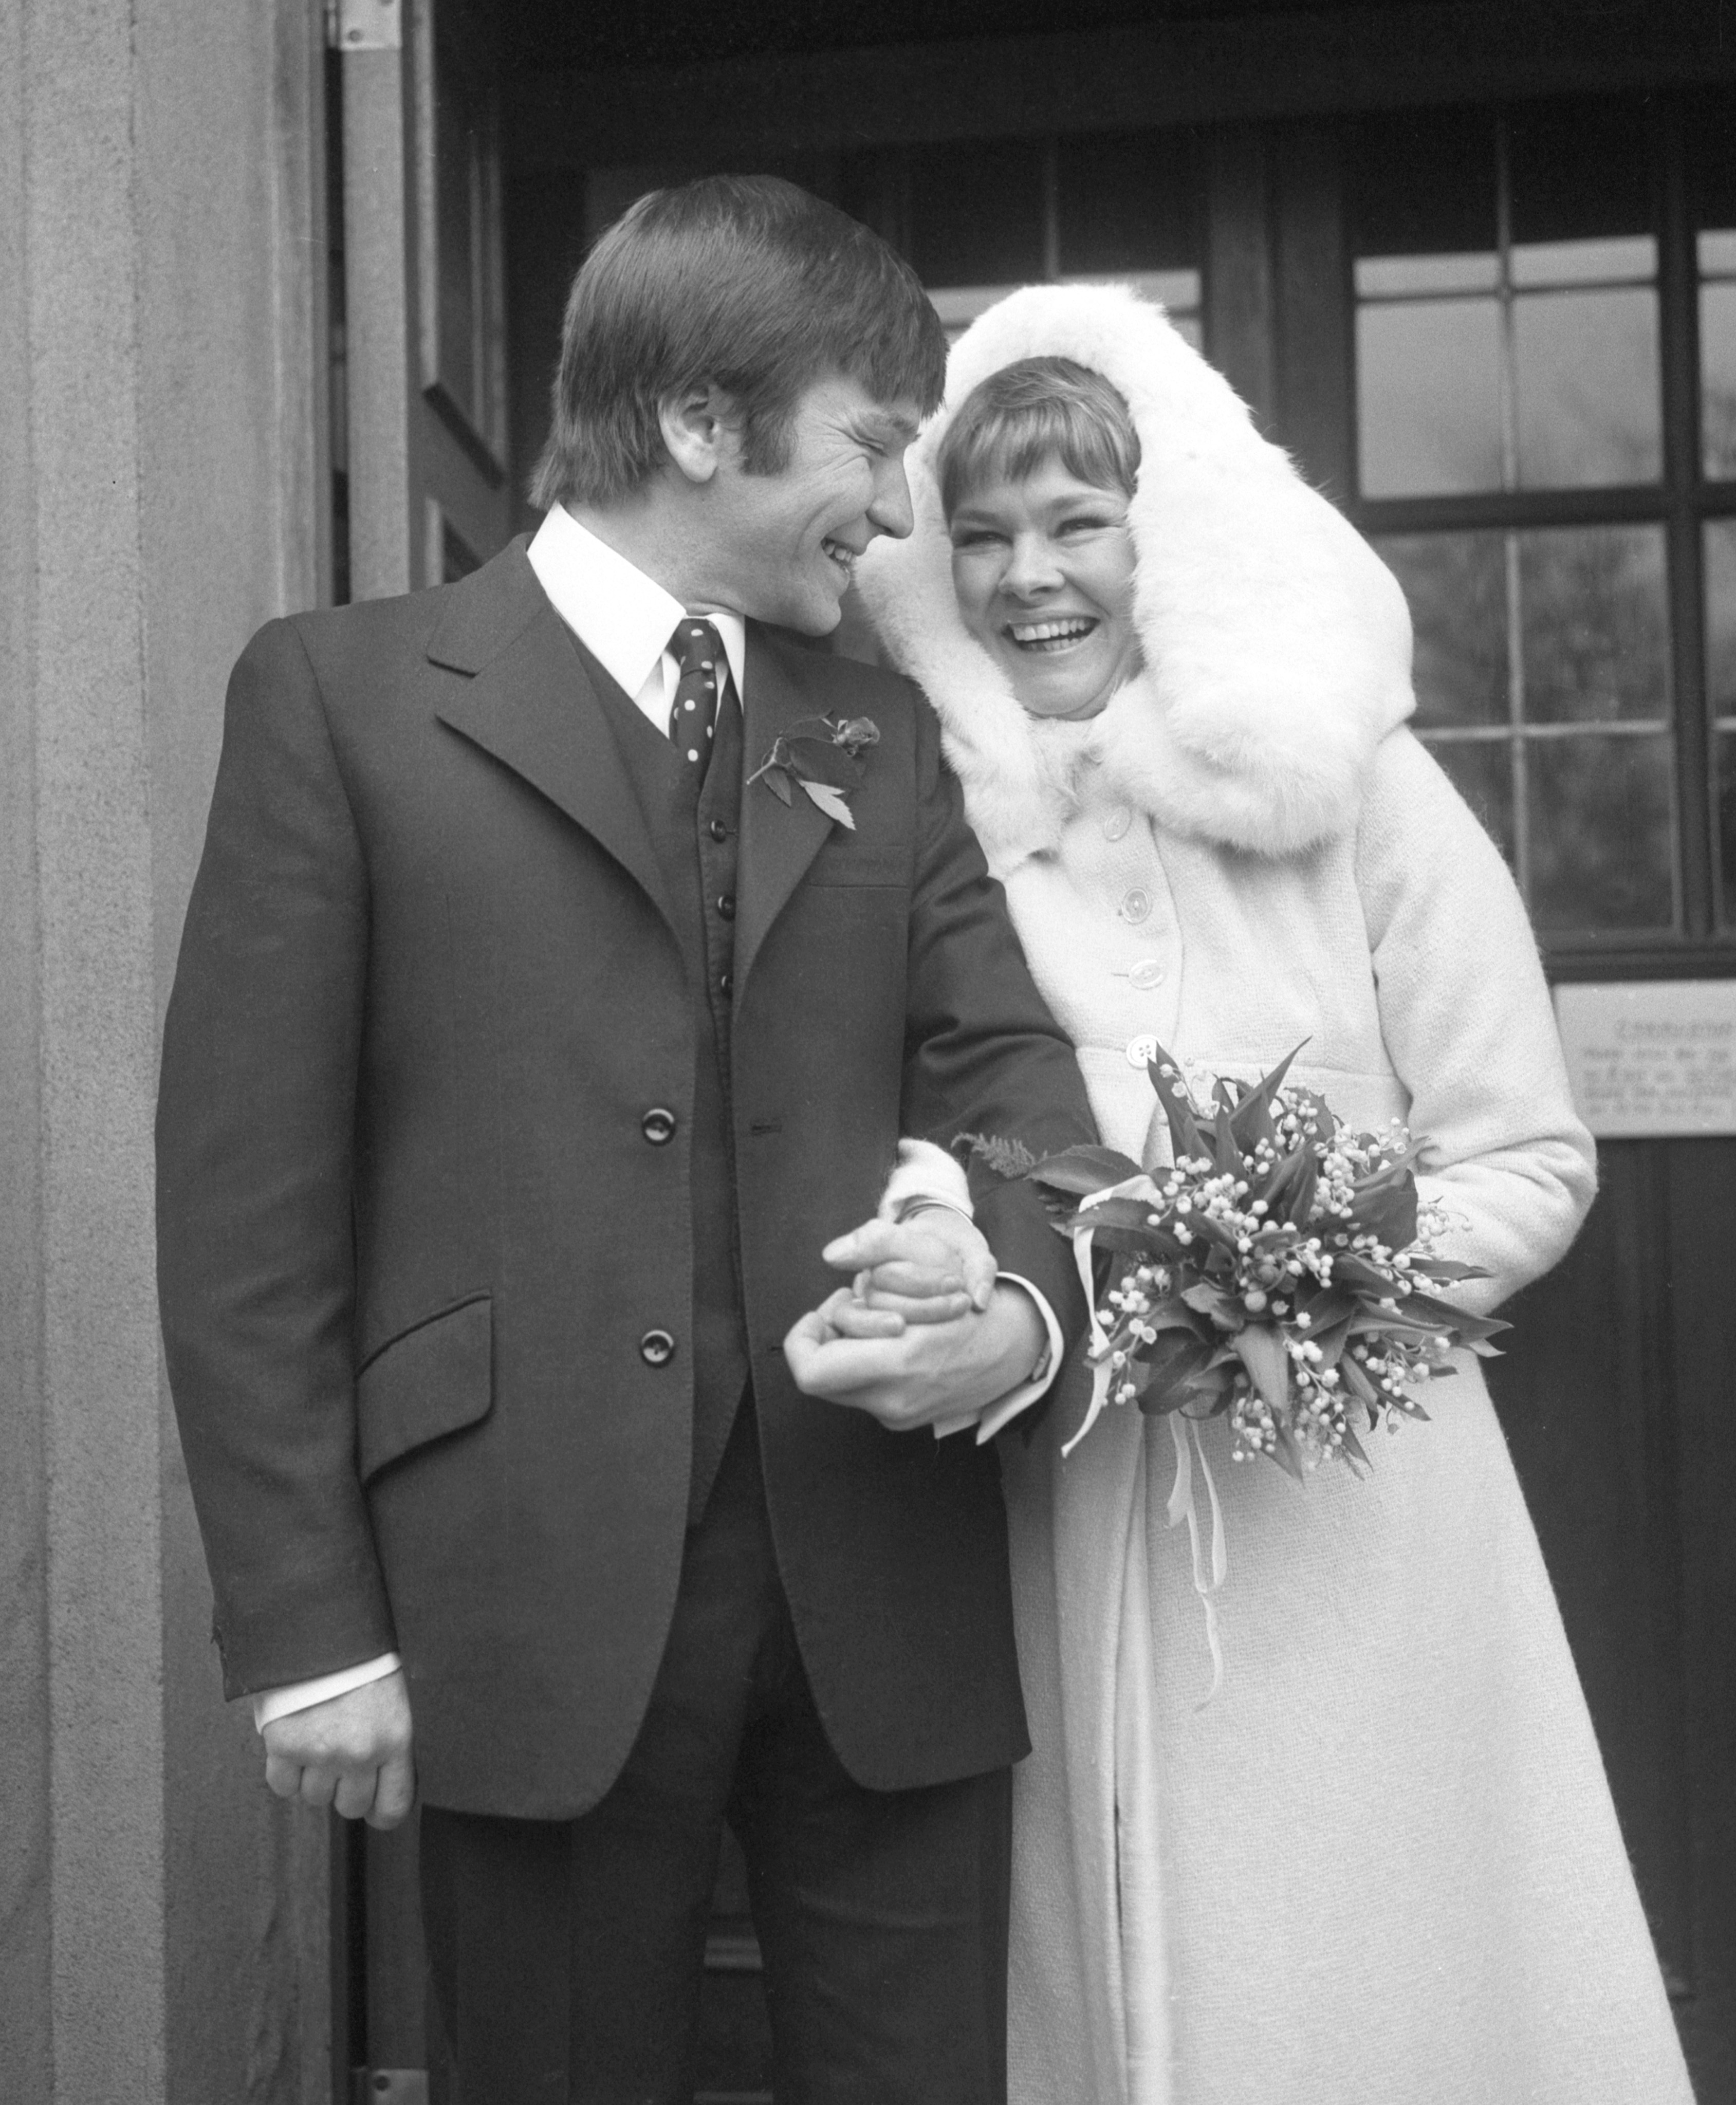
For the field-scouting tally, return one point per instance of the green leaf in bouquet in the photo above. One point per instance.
(1287, 1453)
(1385, 1207)
(1355, 1378)
(1444, 1272)
(1354, 1449)
(1084, 1170)
(1178, 1107)
(1350, 1270)
(1424, 1307)
(1177, 1362)
(1005, 1158)
(1225, 1152)
(1118, 1213)
(1223, 1309)
(1261, 1351)
(1251, 1119)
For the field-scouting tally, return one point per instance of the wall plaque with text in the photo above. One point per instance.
(1651, 1058)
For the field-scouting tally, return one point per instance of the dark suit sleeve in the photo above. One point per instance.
(983, 1053)
(255, 1135)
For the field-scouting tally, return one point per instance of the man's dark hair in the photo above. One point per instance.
(742, 281)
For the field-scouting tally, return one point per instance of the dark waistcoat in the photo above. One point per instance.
(696, 830)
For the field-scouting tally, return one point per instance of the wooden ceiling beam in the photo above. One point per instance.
(1172, 73)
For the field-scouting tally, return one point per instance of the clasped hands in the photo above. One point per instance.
(925, 1332)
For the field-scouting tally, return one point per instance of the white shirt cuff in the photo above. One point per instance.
(993, 1418)
(271, 1703)
(925, 1172)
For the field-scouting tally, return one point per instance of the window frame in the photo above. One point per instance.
(1681, 503)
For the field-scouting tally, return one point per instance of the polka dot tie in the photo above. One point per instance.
(698, 649)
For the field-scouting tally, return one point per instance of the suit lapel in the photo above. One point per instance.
(778, 841)
(531, 704)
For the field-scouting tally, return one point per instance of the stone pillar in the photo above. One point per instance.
(162, 1921)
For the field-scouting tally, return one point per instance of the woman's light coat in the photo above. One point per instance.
(1382, 1865)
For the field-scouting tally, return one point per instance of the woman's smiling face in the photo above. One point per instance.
(1043, 571)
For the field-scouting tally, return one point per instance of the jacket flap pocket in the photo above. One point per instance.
(431, 1380)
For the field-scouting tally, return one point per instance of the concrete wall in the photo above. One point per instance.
(162, 1921)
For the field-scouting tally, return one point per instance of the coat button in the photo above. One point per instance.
(1147, 974)
(726, 906)
(717, 830)
(1116, 822)
(658, 1125)
(1136, 905)
(1142, 1051)
(656, 1348)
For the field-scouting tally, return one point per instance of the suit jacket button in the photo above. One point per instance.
(656, 1348)
(725, 982)
(658, 1125)
(726, 907)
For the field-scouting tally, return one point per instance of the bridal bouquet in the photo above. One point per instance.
(1280, 1272)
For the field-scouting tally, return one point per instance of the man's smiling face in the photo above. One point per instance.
(783, 544)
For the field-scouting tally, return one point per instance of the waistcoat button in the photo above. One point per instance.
(726, 907)
(656, 1348)
(658, 1125)
(717, 830)
(725, 982)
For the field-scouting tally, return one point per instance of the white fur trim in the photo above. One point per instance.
(1276, 644)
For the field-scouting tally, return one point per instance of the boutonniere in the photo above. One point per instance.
(823, 755)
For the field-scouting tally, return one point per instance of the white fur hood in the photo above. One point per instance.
(1276, 644)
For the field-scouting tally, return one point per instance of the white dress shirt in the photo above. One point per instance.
(625, 620)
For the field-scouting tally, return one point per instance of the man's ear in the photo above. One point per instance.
(700, 430)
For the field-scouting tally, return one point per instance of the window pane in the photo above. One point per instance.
(1457, 586)
(1429, 397)
(1596, 628)
(1483, 775)
(1720, 616)
(1580, 171)
(1602, 834)
(1718, 376)
(1587, 386)
(1717, 252)
(1633, 256)
(1401, 277)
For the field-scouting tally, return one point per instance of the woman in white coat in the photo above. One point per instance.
(1381, 1866)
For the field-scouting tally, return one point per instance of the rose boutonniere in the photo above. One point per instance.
(823, 756)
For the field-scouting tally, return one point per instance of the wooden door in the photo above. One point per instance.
(421, 459)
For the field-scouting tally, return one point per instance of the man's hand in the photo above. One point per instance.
(846, 1353)
(928, 1269)
(352, 1753)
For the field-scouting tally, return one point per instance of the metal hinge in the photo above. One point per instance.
(365, 25)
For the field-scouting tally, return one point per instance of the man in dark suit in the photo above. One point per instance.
(526, 1047)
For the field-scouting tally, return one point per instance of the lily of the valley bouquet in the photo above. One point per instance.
(1281, 1271)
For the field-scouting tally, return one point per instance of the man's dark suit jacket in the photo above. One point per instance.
(413, 1232)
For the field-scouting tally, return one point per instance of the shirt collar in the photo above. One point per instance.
(622, 617)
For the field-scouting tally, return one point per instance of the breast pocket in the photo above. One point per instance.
(845, 860)
(432, 1380)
